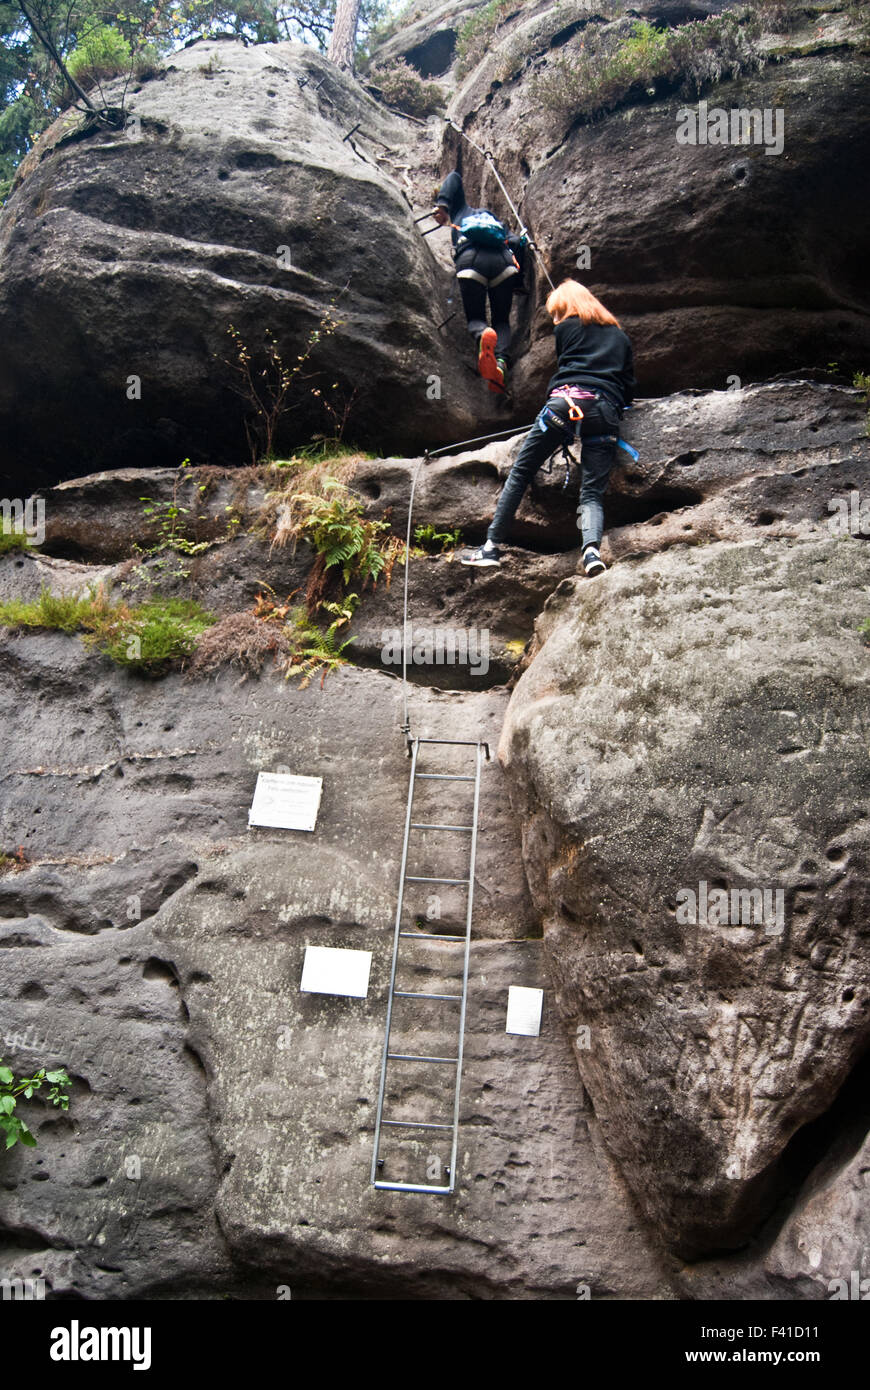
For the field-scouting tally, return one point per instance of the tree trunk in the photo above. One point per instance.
(342, 45)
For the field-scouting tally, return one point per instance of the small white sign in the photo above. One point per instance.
(524, 1011)
(330, 970)
(285, 802)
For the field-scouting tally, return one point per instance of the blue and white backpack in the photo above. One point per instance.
(482, 229)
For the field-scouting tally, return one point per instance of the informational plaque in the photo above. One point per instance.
(524, 1011)
(331, 970)
(285, 802)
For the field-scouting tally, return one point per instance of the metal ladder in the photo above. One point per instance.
(437, 999)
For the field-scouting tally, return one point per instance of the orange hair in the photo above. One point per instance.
(573, 300)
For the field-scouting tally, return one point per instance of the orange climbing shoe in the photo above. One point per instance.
(486, 361)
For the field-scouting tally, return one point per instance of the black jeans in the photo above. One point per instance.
(599, 417)
(500, 301)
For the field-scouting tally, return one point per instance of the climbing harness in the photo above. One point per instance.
(490, 160)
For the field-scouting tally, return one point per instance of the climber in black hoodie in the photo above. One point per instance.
(488, 259)
(592, 385)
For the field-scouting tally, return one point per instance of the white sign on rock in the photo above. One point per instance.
(284, 802)
(524, 1011)
(331, 970)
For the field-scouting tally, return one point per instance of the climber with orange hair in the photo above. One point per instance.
(593, 384)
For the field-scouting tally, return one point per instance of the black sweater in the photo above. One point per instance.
(597, 356)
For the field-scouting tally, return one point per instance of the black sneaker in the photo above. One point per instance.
(483, 559)
(592, 562)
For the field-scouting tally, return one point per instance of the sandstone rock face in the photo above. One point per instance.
(132, 257)
(155, 946)
(149, 923)
(700, 718)
(692, 1122)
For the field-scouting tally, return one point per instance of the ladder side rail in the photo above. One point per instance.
(393, 970)
(462, 1007)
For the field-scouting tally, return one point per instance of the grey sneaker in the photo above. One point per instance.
(592, 562)
(482, 558)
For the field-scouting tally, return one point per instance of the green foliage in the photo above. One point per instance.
(316, 649)
(403, 88)
(12, 540)
(322, 451)
(60, 612)
(11, 1124)
(864, 629)
(103, 53)
(476, 35)
(167, 519)
(337, 529)
(605, 69)
(152, 636)
(430, 539)
(146, 638)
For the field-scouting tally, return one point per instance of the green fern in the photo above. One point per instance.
(339, 532)
(315, 649)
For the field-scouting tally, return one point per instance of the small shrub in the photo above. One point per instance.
(864, 629)
(403, 88)
(429, 539)
(605, 70)
(268, 385)
(475, 37)
(11, 1091)
(102, 54)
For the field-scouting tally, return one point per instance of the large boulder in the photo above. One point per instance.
(694, 725)
(261, 190)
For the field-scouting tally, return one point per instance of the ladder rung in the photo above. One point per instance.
(413, 1124)
(410, 994)
(443, 777)
(408, 1187)
(423, 825)
(431, 936)
(455, 742)
(410, 1057)
(415, 878)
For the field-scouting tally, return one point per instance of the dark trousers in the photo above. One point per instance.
(500, 301)
(599, 417)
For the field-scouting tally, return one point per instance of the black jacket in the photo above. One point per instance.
(489, 261)
(597, 356)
